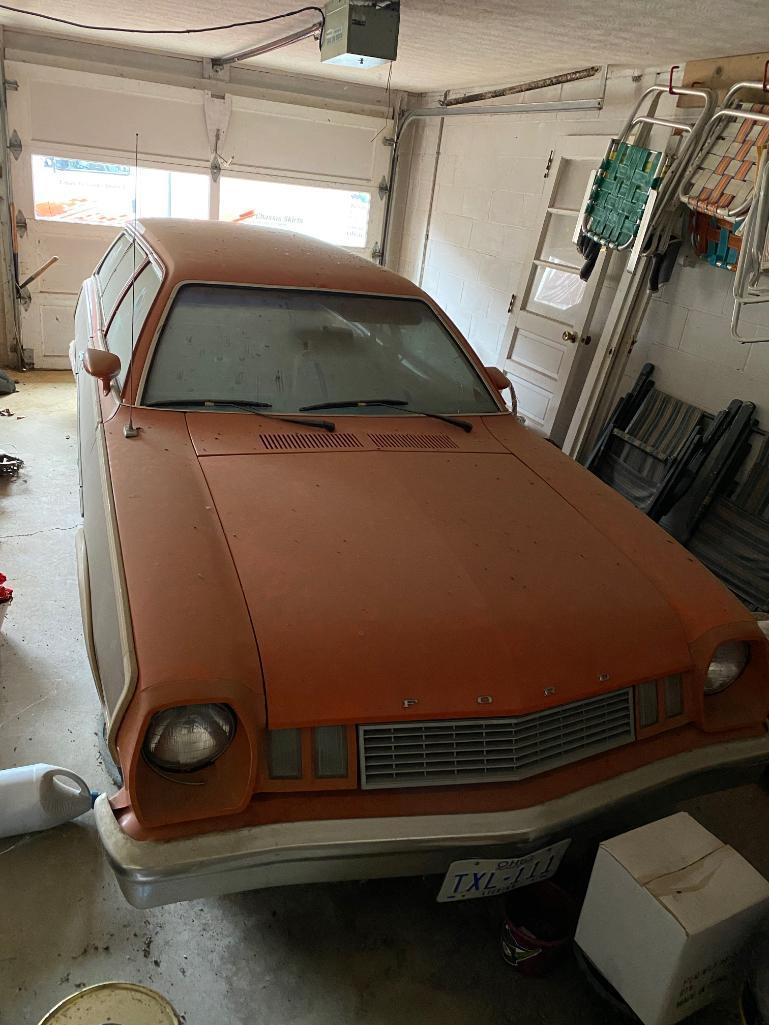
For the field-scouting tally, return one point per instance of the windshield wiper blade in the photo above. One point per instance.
(210, 402)
(249, 407)
(327, 425)
(351, 403)
(465, 425)
(397, 404)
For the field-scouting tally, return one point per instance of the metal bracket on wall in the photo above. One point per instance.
(14, 144)
(215, 70)
(11, 84)
(21, 223)
(217, 111)
(376, 252)
(383, 188)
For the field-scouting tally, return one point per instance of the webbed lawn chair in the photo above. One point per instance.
(631, 197)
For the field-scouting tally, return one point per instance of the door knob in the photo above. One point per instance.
(569, 336)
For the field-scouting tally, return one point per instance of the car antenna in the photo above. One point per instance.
(129, 431)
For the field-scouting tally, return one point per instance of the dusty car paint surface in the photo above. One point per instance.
(396, 569)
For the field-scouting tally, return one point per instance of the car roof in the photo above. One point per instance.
(244, 254)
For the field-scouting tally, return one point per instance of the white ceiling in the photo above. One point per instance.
(448, 43)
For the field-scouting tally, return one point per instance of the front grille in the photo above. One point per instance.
(412, 754)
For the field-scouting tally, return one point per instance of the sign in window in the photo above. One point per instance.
(97, 192)
(332, 215)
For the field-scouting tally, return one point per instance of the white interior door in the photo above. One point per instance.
(547, 337)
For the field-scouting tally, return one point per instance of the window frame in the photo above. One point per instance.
(140, 269)
(149, 257)
(122, 235)
(459, 342)
(106, 318)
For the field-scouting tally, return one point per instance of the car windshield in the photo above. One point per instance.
(288, 350)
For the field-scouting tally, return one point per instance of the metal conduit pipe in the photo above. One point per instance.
(524, 87)
(418, 113)
(273, 44)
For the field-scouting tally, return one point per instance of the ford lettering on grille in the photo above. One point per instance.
(441, 752)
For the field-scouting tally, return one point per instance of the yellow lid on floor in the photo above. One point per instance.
(113, 1002)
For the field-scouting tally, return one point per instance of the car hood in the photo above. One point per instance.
(389, 584)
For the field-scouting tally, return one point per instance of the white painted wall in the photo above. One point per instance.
(488, 191)
(685, 334)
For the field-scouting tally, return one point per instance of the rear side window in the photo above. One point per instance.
(111, 260)
(129, 260)
(125, 327)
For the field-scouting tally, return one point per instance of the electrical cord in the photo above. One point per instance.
(389, 101)
(168, 31)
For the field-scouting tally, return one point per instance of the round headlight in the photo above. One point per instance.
(188, 737)
(727, 663)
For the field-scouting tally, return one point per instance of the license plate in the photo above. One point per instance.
(488, 877)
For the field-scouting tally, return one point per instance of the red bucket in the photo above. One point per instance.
(539, 924)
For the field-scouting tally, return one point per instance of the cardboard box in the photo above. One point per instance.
(667, 914)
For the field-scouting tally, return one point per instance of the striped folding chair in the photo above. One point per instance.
(732, 538)
(727, 190)
(725, 446)
(753, 493)
(644, 461)
(724, 177)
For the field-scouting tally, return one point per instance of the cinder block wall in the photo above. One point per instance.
(486, 203)
(488, 191)
(686, 335)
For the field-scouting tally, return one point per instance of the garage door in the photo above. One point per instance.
(74, 183)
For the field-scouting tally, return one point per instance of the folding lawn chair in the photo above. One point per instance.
(725, 446)
(644, 461)
(751, 281)
(630, 198)
(668, 457)
(624, 412)
(727, 190)
(732, 537)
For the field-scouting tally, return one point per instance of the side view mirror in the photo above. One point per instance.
(500, 381)
(103, 365)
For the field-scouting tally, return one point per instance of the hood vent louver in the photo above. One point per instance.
(314, 441)
(439, 442)
(309, 442)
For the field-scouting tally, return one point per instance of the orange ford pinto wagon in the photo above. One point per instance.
(346, 616)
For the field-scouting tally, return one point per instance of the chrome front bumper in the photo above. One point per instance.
(153, 872)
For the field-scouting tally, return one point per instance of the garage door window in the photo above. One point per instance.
(124, 329)
(96, 192)
(338, 216)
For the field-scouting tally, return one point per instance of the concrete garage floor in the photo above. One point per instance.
(370, 953)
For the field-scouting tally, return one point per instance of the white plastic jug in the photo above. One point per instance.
(39, 796)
